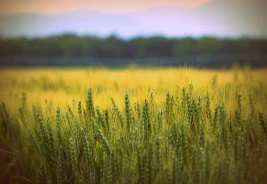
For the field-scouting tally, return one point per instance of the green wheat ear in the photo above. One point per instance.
(238, 110)
(100, 120)
(106, 117)
(146, 121)
(116, 111)
(208, 108)
(168, 108)
(262, 123)
(73, 154)
(80, 108)
(99, 136)
(90, 104)
(127, 112)
(58, 123)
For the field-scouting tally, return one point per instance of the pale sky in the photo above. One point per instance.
(57, 6)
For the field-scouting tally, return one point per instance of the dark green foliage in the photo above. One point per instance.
(114, 47)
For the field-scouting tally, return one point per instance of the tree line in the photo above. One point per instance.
(71, 45)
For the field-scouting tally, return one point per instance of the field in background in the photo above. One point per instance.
(63, 86)
(133, 126)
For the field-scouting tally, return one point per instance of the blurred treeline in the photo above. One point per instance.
(69, 45)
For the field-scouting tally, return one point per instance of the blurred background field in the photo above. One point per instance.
(62, 85)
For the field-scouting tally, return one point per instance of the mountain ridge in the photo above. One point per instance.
(217, 18)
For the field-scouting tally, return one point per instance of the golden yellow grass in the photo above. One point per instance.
(62, 86)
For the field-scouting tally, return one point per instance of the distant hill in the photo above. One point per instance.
(218, 17)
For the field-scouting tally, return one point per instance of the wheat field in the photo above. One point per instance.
(97, 125)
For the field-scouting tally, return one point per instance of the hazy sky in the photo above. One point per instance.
(56, 6)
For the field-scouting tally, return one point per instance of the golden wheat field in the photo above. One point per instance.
(162, 125)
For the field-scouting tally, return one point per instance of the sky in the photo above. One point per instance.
(59, 6)
(232, 18)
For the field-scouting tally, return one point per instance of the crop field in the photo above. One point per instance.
(141, 126)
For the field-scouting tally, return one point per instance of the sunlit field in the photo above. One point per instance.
(172, 125)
